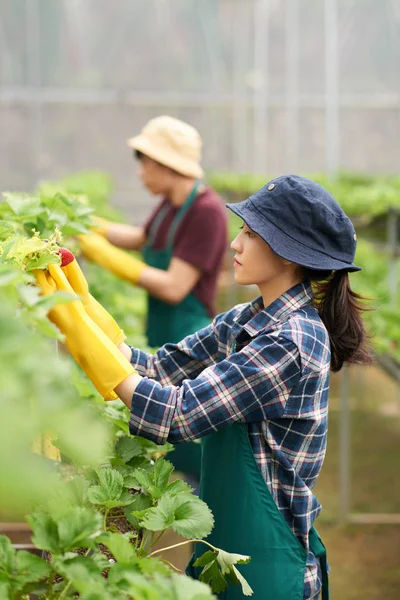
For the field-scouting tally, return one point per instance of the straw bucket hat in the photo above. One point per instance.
(172, 143)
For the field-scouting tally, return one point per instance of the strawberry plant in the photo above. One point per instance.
(97, 514)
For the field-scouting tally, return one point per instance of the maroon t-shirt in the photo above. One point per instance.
(200, 240)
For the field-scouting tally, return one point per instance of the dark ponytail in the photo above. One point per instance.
(340, 310)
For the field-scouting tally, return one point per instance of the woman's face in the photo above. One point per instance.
(256, 263)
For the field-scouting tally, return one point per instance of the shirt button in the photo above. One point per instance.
(271, 187)
(355, 237)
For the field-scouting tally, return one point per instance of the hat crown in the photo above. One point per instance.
(307, 213)
(174, 134)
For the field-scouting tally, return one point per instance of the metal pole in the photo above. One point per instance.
(292, 85)
(33, 79)
(344, 446)
(240, 154)
(331, 88)
(260, 103)
(392, 224)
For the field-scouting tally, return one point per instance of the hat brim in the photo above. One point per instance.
(285, 246)
(167, 158)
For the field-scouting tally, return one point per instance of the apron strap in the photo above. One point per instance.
(319, 550)
(180, 214)
(156, 225)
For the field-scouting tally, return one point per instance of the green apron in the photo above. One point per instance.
(247, 521)
(167, 323)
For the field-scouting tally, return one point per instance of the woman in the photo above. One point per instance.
(254, 384)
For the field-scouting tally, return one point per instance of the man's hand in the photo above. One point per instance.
(97, 249)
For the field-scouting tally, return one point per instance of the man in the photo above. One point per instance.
(183, 243)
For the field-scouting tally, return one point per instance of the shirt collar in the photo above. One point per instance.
(254, 318)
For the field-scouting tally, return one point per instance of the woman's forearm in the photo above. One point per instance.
(126, 389)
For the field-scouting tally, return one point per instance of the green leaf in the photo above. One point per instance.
(120, 547)
(83, 573)
(185, 588)
(188, 516)
(108, 493)
(4, 590)
(127, 447)
(7, 554)
(237, 577)
(45, 532)
(21, 204)
(193, 518)
(78, 527)
(179, 487)
(112, 481)
(212, 575)
(227, 562)
(136, 510)
(162, 472)
(30, 568)
(6, 229)
(208, 557)
(143, 479)
(42, 262)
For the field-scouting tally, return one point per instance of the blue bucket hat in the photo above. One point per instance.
(301, 222)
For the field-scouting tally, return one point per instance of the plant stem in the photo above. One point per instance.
(154, 542)
(182, 544)
(170, 564)
(65, 590)
(105, 520)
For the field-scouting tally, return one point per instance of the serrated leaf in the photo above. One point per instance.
(239, 579)
(21, 204)
(178, 487)
(189, 517)
(99, 496)
(136, 510)
(162, 472)
(30, 568)
(42, 262)
(111, 484)
(186, 588)
(45, 532)
(48, 328)
(78, 527)
(227, 562)
(4, 590)
(208, 557)
(193, 518)
(7, 554)
(143, 479)
(119, 546)
(212, 575)
(6, 229)
(128, 447)
(111, 480)
(83, 573)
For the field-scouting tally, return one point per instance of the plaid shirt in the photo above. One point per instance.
(267, 367)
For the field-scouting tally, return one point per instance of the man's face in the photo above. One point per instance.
(155, 177)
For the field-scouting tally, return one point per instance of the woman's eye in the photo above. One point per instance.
(250, 234)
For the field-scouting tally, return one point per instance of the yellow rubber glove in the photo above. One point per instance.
(97, 249)
(94, 309)
(101, 226)
(95, 353)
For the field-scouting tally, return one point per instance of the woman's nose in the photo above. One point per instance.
(235, 245)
